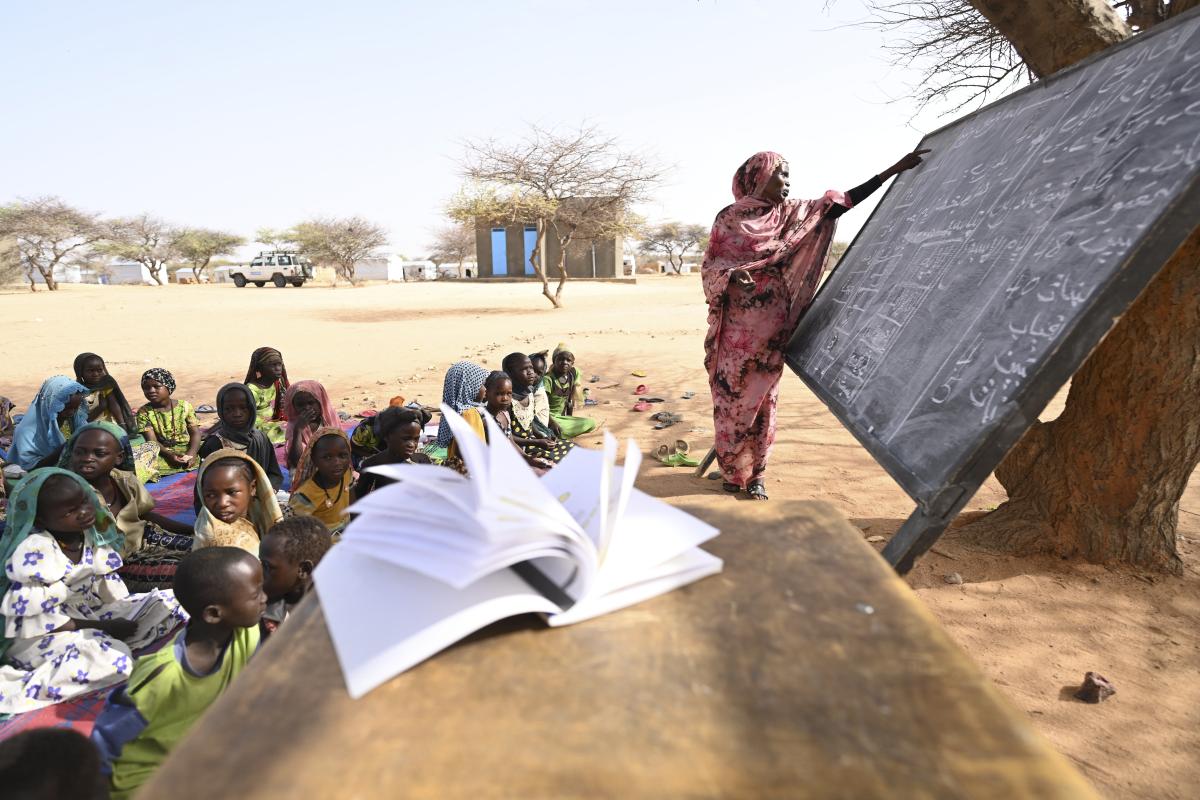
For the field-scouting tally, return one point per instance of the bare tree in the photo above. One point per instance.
(454, 243)
(576, 184)
(199, 246)
(1084, 485)
(144, 239)
(339, 243)
(48, 234)
(673, 240)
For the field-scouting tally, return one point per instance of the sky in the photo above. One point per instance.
(240, 115)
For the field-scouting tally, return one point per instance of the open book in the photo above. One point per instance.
(433, 558)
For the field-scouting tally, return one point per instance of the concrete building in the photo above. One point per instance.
(503, 249)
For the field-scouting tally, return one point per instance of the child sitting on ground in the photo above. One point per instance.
(239, 504)
(168, 422)
(323, 483)
(56, 412)
(235, 430)
(289, 553)
(267, 381)
(107, 402)
(70, 625)
(564, 391)
(539, 363)
(308, 409)
(222, 589)
(365, 440)
(399, 429)
(497, 401)
(533, 430)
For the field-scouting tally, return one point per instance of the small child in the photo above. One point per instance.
(169, 422)
(497, 402)
(399, 429)
(51, 763)
(533, 430)
(308, 409)
(538, 360)
(239, 505)
(107, 402)
(222, 589)
(236, 430)
(365, 440)
(289, 553)
(323, 484)
(70, 625)
(267, 381)
(563, 390)
(56, 413)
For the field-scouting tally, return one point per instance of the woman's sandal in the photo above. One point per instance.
(756, 490)
(732, 488)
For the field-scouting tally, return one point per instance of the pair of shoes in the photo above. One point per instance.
(666, 419)
(677, 455)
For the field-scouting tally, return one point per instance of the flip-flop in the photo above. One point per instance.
(637, 373)
(663, 416)
(641, 405)
(205, 409)
(590, 402)
(641, 389)
(688, 395)
(666, 423)
(594, 379)
(664, 455)
(653, 400)
(732, 488)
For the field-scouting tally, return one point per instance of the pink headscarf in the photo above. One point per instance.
(754, 233)
(298, 431)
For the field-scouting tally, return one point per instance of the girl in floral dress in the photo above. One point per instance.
(70, 625)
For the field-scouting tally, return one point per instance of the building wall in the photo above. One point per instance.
(608, 255)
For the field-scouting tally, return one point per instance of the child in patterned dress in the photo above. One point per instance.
(70, 625)
(169, 422)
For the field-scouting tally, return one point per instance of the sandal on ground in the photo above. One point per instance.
(757, 490)
(732, 488)
(641, 389)
(641, 405)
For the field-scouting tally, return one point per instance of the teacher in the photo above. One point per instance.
(760, 272)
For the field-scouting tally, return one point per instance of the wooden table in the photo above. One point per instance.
(806, 669)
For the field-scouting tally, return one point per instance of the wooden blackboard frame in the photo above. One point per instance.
(938, 505)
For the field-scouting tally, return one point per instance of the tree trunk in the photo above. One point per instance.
(1052, 34)
(1103, 481)
(47, 276)
(563, 241)
(535, 259)
(154, 270)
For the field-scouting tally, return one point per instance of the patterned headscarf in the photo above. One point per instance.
(107, 382)
(22, 512)
(753, 175)
(115, 431)
(264, 508)
(299, 434)
(38, 434)
(460, 391)
(162, 376)
(257, 359)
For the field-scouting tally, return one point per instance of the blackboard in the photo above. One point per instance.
(986, 276)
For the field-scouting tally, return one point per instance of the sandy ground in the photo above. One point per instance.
(1034, 626)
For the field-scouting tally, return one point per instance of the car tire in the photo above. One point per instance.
(278, 280)
(297, 282)
(239, 280)
(260, 284)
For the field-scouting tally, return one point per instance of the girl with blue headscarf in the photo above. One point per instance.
(70, 625)
(56, 413)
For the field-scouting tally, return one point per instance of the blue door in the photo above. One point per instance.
(499, 251)
(530, 244)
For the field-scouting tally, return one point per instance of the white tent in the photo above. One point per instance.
(126, 272)
(379, 267)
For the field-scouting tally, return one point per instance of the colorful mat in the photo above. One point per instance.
(78, 714)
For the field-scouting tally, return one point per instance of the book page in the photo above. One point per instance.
(385, 619)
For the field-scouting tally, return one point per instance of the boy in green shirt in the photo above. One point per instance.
(221, 588)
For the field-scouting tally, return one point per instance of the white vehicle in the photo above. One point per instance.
(277, 266)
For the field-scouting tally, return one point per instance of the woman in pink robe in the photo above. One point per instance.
(760, 272)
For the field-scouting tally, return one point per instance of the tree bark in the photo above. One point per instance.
(563, 242)
(1052, 34)
(535, 259)
(1103, 481)
(47, 276)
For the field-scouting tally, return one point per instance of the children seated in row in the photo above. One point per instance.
(105, 401)
(169, 423)
(152, 544)
(532, 428)
(323, 480)
(289, 553)
(56, 412)
(70, 624)
(267, 381)
(399, 430)
(221, 589)
(497, 403)
(239, 505)
(237, 429)
(564, 389)
(308, 409)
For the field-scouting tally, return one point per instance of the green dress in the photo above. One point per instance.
(264, 409)
(562, 394)
(171, 430)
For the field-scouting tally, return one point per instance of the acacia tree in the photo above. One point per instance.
(673, 240)
(47, 233)
(1103, 481)
(454, 243)
(574, 184)
(275, 238)
(339, 243)
(199, 246)
(144, 239)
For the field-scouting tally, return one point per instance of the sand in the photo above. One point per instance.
(1033, 625)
